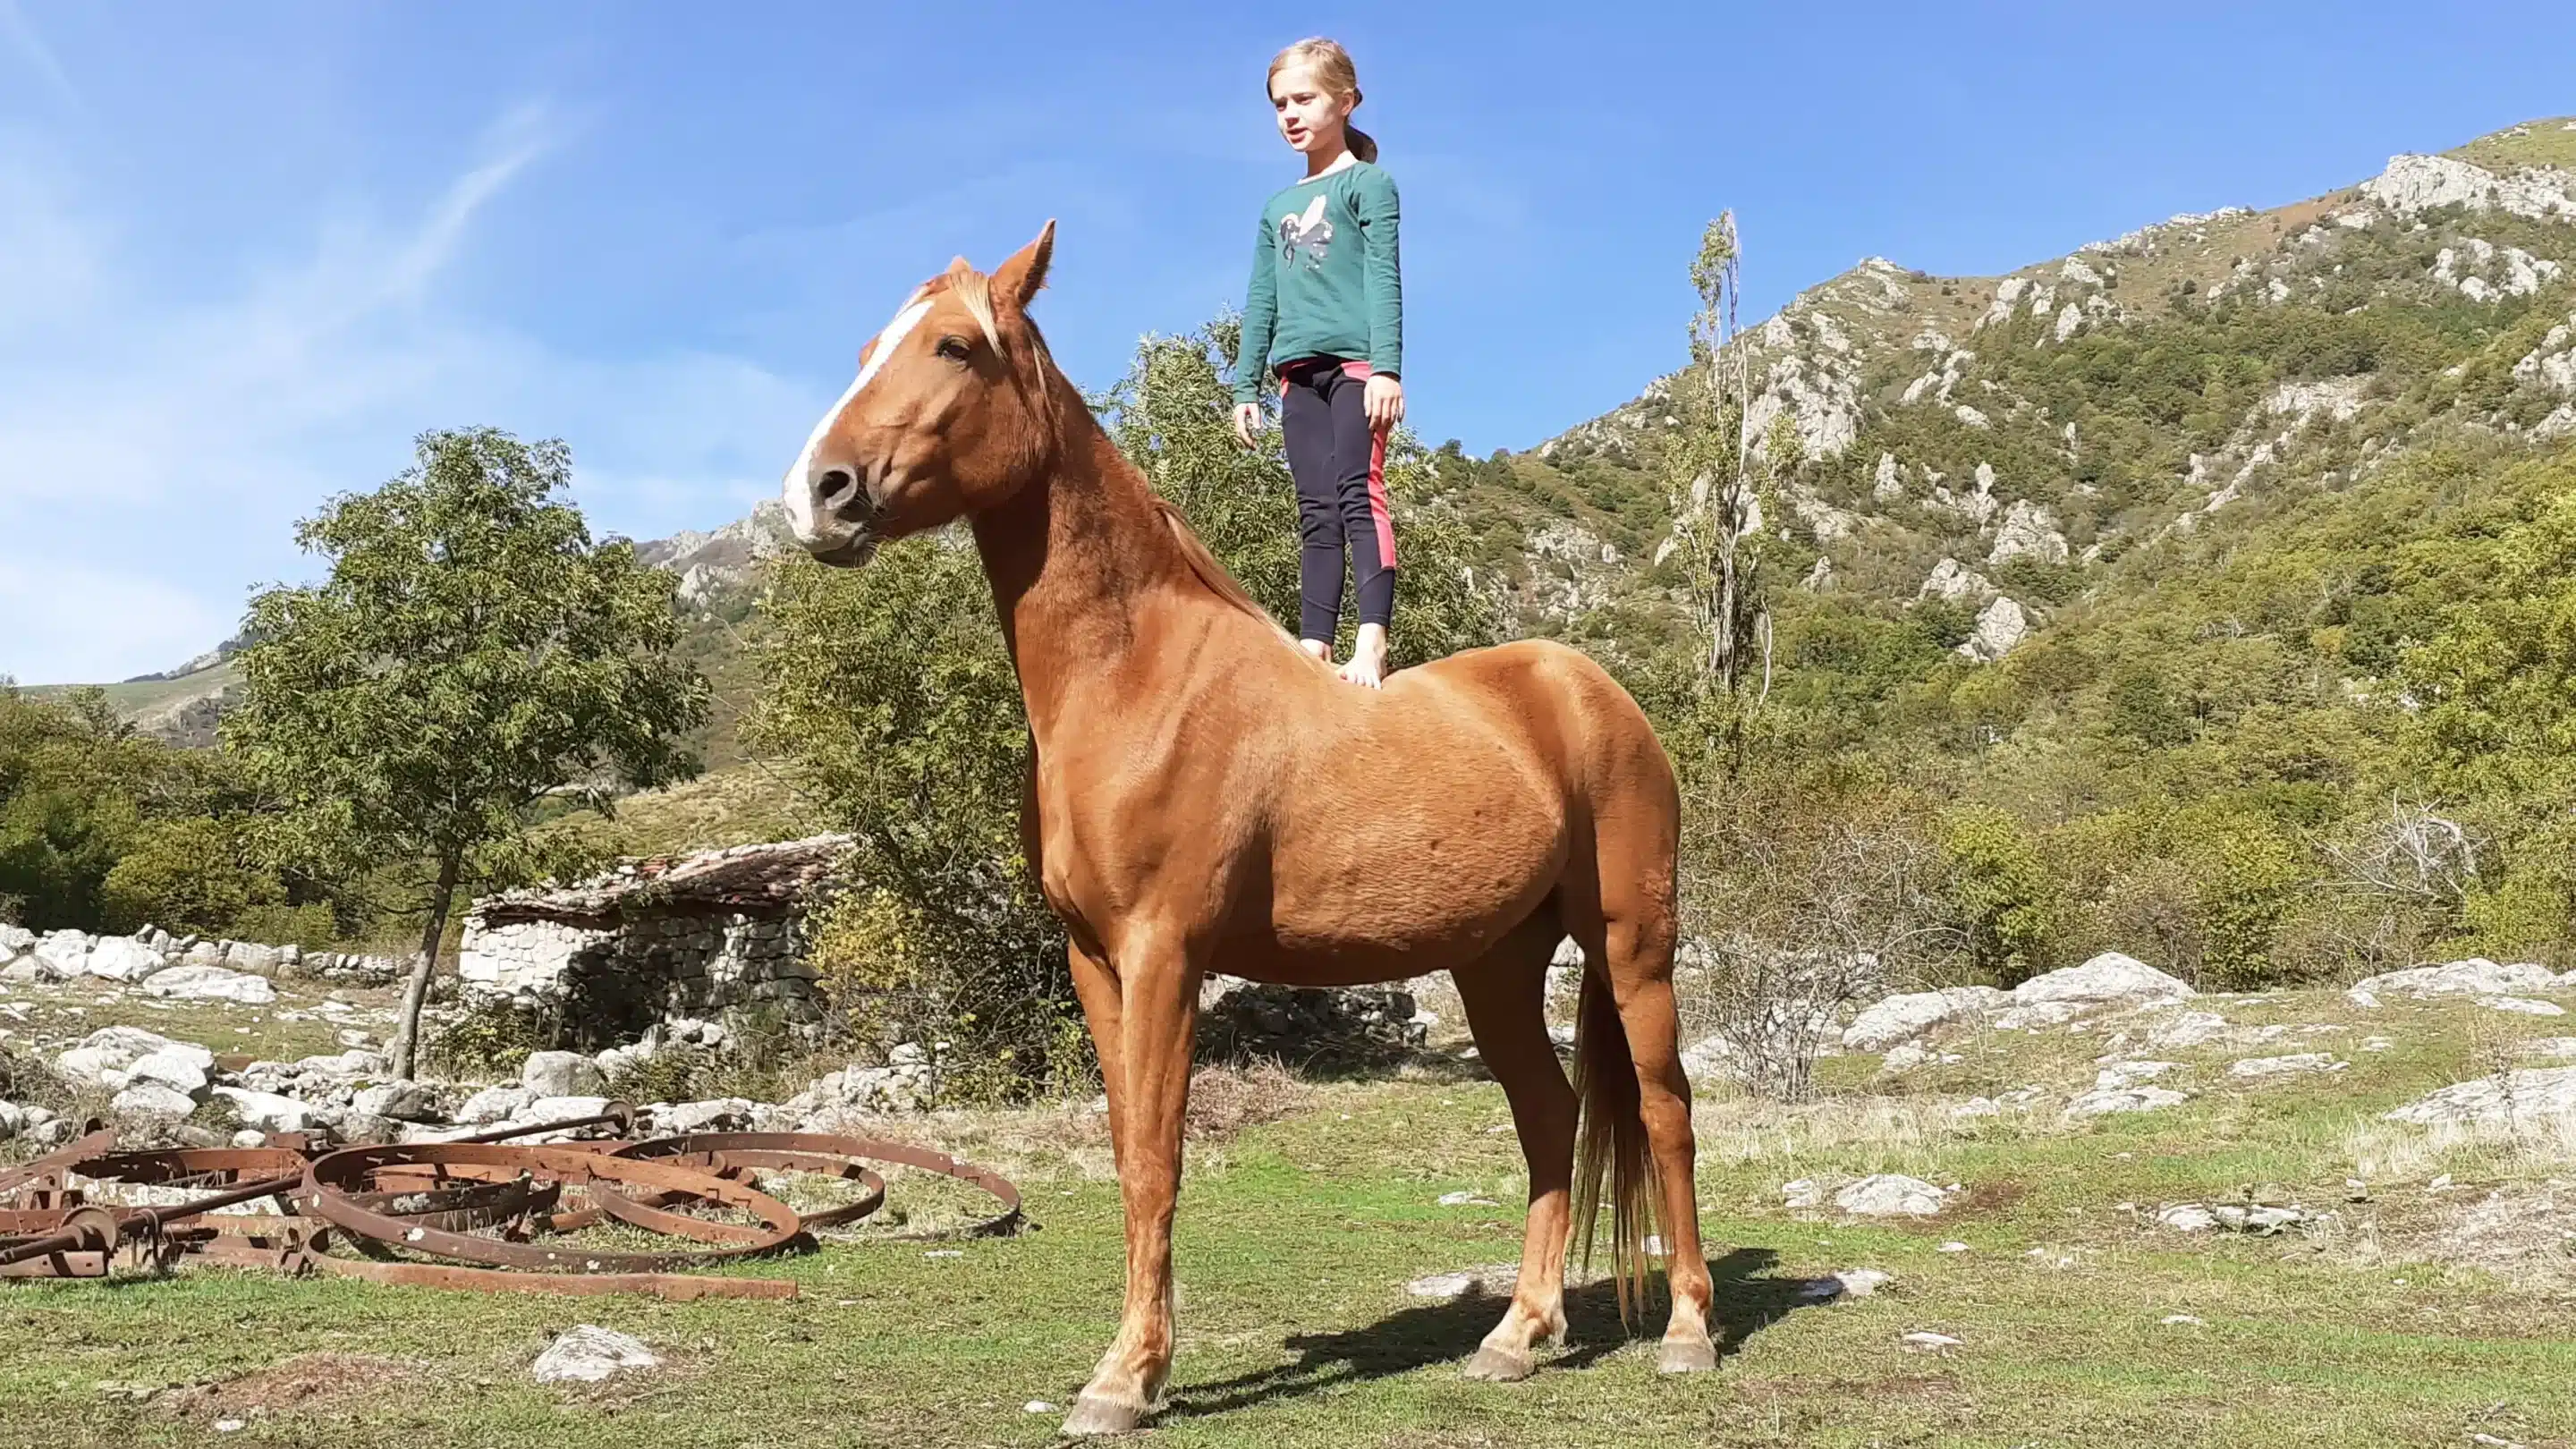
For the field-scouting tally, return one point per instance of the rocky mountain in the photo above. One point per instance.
(2001, 443)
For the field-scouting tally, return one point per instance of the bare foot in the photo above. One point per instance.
(1368, 657)
(1317, 647)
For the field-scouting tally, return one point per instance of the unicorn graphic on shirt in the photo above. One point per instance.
(1310, 234)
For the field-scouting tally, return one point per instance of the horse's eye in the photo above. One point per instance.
(954, 349)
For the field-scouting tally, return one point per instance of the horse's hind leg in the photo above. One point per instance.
(1505, 993)
(1634, 946)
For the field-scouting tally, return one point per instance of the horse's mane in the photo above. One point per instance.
(1203, 563)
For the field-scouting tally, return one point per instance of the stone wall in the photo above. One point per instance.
(608, 983)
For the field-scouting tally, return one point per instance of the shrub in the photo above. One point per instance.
(2004, 901)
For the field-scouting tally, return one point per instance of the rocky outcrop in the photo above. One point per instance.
(1915, 1014)
(2505, 1099)
(2475, 976)
(2414, 184)
(2000, 627)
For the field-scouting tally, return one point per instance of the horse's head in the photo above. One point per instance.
(948, 415)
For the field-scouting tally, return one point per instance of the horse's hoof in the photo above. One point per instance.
(1500, 1365)
(1686, 1356)
(1101, 1416)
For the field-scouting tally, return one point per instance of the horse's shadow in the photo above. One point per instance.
(1746, 1301)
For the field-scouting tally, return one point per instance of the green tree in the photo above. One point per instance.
(892, 702)
(472, 653)
(75, 785)
(2004, 900)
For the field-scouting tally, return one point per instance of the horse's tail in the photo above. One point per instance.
(1611, 1142)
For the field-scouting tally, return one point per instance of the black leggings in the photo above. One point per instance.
(1340, 466)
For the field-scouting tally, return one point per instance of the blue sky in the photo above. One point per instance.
(248, 251)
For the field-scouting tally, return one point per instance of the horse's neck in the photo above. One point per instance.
(1082, 566)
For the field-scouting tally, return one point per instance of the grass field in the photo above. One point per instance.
(2385, 1324)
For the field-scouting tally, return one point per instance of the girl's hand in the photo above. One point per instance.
(1247, 417)
(1384, 401)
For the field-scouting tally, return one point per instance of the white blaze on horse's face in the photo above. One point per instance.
(806, 514)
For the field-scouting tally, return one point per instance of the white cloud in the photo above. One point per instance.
(153, 459)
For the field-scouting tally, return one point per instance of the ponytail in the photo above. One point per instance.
(1333, 69)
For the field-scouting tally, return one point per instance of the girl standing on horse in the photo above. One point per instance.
(1325, 312)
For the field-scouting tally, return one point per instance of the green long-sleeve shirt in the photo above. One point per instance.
(1325, 279)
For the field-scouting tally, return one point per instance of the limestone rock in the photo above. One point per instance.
(2108, 980)
(561, 1074)
(2189, 1217)
(589, 1354)
(63, 955)
(1911, 1015)
(201, 982)
(2190, 1029)
(2101, 1102)
(2121, 1075)
(1889, 1194)
(493, 1104)
(1999, 628)
(122, 958)
(719, 1114)
(152, 1099)
(2028, 529)
(2292, 1065)
(2475, 976)
(399, 1102)
(2522, 1006)
(266, 1111)
(103, 1056)
(180, 1068)
(2497, 1100)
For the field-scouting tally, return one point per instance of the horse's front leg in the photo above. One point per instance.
(1158, 1007)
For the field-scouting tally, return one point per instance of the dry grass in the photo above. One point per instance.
(308, 1383)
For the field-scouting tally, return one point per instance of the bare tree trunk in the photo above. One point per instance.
(416, 992)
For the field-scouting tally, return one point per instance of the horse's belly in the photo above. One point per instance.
(1404, 896)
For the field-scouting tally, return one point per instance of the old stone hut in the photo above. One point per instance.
(717, 935)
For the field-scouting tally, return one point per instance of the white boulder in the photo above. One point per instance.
(179, 1067)
(589, 1354)
(2190, 1029)
(104, 1055)
(2522, 1005)
(1905, 1017)
(2499, 1100)
(561, 1074)
(719, 1114)
(266, 1111)
(63, 955)
(2103, 1101)
(210, 983)
(1890, 1194)
(2291, 1065)
(493, 1104)
(152, 1099)
(2121, 1075)
(2475, 976)
(2108, 980)
(122, 958)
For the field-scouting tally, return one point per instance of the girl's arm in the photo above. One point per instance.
(1384, 293)
(1260, 316)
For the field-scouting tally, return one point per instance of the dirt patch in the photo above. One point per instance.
(1991, 1197)
(304, 1384)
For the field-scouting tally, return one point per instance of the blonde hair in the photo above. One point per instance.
(1334, 71)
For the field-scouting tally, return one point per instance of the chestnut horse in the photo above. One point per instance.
(1205, 796)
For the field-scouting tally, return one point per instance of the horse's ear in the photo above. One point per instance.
(1018, 279)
